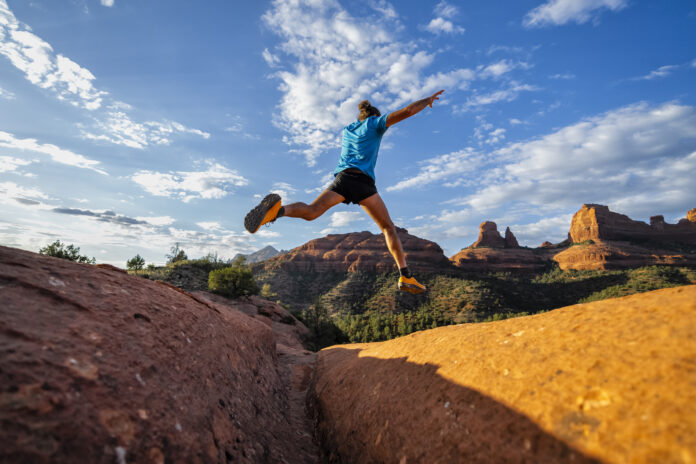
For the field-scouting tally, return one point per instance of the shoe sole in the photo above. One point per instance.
(260, 214)
(411, 288)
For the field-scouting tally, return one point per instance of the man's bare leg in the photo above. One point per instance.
(377, 210)
(324, 201)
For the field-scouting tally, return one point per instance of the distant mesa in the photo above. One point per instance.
(358, 251)
(596, 222)
(598, 239)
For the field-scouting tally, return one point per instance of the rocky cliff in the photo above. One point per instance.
(98, 366)
(357, 251)
(598, 239)
(596, 222)
(610, 381)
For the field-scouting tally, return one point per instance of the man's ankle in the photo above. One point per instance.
(404, 271)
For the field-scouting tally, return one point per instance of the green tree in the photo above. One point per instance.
(176, 254)
(69, 252)
(233, 281)
(267, 292)
(136, 263)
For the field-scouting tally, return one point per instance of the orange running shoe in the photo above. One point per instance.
(264, 212)
(411, 285)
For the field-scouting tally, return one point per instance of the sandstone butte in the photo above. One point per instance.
(598, 239)
(616, 241)
(97, 366)
(611, 381)
(493, 252)
(358, 251)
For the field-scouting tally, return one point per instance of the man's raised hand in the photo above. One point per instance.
(434, 97)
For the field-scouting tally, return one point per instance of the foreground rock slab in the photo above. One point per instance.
(100, 367)
(609, 381)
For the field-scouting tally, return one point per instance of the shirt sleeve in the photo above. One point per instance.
(382, 124)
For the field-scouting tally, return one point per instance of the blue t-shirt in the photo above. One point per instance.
(361, 141)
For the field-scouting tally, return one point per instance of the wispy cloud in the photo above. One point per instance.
(441, 23)
(10, 164)
(564, 76)
(638, 159)
(57, 154)
(108, 3)
(502, 95)
(6, 94)
(70, 82)
(342, 219)
(335, 61)
(558, 12)
(636, 138)
(42, 67)
(665, 71)
(215, 182)
(285, 190)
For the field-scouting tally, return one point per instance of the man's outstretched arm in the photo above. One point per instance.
(413, 108)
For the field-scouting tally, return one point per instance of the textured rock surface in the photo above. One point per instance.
(691, 215)
(510, 239)
(618, 255)
(357, 251)
(489, 236)
(613, 380)
(498, 259)
(596, 222)
(98, 366)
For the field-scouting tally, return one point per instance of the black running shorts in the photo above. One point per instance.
(353, 186)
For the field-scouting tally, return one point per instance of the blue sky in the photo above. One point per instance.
(128, 126)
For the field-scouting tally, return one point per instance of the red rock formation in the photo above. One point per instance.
(546, 244)
(357, 251)
(691, 215)
(489, 236)
(596, 222)
(497, 259)
(611, 380)
(100, 366)
(619, 255)
(510, 239)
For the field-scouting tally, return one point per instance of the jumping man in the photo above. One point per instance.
(354, 182)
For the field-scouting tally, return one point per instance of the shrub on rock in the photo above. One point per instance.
(233, 282)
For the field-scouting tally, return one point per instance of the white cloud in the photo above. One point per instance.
(557, 12)
(10, 164)
(384, 7)
(214, 183)
(6, 94)
(72, 83)
(285, 190)
(443, 26)
(11, 191)
(503, 95)
(108, 3)
(106, 232)
(662, 71)
(446, 10)
(336, 61)
(42, 67)
(565, 76)
(157, 220)
(638, 159)
(118, 128)
(342, 219)
(265, 233)
(58, 154)
(516, 122)
(209, 225)
(270, 59)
